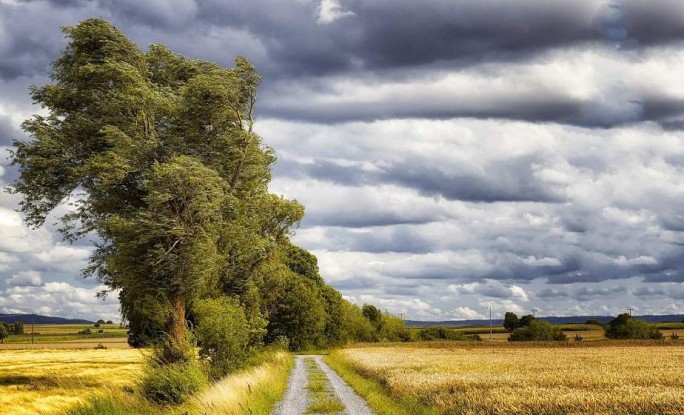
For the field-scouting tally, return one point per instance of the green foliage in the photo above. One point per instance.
(394, 329)
(298, 313)
(223, 334)
(3, 333)
(625, 326)
(16, 328)
(173, 383)
(373, 314)
(443, 333)
(526, 320)
(511, 321)
(593, 322)
(537, 330)
(87, 330)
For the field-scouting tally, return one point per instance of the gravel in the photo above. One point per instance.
(295, 400)
(354, 403)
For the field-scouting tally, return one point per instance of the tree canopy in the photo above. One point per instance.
(157, 157)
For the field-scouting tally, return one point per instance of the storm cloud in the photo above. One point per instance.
(451, 155)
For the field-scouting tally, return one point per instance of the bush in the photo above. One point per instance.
(626, 327)
(394, 329)
(440, 333)
(537, 331)
(173, 383)
(223, 334)
(593, 322)
(86, 331)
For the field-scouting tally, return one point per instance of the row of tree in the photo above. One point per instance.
(624, 326)
(7, 329)
(157, 155)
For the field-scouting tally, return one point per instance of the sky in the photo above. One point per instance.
(452, 155)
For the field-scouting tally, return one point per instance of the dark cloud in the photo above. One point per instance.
(510, 180)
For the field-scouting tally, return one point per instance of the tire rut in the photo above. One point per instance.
(295, 400)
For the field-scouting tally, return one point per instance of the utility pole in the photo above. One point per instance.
(490, 323)
(630, 311)
(534, 312)
(33, 326)
(401, 315)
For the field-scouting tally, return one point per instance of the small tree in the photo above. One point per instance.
(625, 326)
(3, 333)
(525, 321)
(109, 322)
(511, 321)
(222, 334)
(373, 315)
(18, 328)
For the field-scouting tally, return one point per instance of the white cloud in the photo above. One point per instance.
(26, 278)
(59, 299)
(331, 10)
(466, 313)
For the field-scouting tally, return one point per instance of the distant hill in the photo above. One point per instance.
(668, 318)
(38, 319)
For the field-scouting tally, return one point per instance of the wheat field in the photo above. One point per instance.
(606, 379)
(46, 381)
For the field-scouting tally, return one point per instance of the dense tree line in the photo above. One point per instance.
(7, 329)
(157, 155)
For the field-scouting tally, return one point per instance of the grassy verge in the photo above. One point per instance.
(377, 395)
(253, 391)
(322, 399)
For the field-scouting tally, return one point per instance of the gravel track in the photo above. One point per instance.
(295, 400)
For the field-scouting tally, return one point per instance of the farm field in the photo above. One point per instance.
(587, 331)
(58, 336)
(46, 381)
(589, 378)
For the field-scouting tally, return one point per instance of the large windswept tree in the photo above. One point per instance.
(157, 155)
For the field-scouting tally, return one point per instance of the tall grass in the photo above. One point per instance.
(253, 391)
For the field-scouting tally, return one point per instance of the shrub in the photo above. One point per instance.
(674, 336)
(222, 334)
(394, 329)
(537, 331)
(593, 322)
(440, 333)
(578, 337)
(100, 346)
(625, 326)
(173, 383)
(87, 330)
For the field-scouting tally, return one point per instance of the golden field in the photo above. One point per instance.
(602, 378)
(46, 381)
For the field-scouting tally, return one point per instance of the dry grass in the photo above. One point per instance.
(604, 379)
(46, 381)
(252, 391)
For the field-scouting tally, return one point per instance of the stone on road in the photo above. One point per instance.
(295, 400)
(354, 404)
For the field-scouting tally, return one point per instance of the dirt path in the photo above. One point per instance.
(298, 400)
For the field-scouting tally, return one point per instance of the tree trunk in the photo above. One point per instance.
(175, 347)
